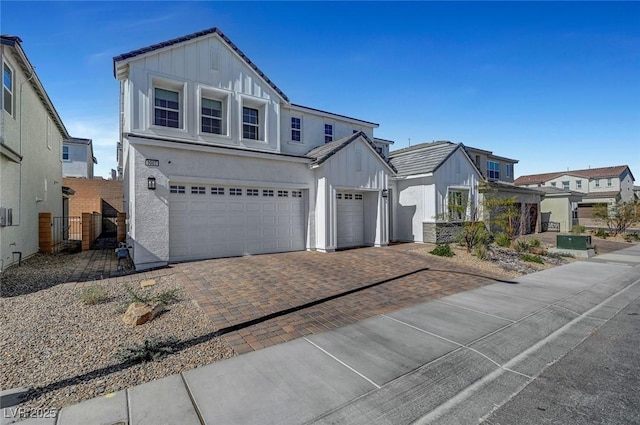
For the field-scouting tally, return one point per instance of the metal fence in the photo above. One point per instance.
(66, 233)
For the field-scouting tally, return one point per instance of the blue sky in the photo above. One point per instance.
(555, 85)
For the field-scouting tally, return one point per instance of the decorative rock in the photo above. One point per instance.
(148, 282)
(538, 251)
(140, 313)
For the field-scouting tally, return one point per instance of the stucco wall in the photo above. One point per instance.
(80, 163)
(34, 185)
(558, 210)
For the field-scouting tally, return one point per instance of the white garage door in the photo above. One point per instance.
(223, 221)
(350, 219)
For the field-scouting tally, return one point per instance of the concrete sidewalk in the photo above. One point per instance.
(453, 360)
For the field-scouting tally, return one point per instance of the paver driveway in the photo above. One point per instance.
(261, 296)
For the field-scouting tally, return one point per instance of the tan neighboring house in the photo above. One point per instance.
(31, 134)
(605, 185)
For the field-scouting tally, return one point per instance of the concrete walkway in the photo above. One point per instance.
(453, 360)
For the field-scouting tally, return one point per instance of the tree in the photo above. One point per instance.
(617, 216)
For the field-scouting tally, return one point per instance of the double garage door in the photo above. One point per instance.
(226, 221)
(350, 208)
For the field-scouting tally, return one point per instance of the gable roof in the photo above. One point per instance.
(29, 70)
(189, 37)
(295, 106)
(423, 158)
(589, 173)
(80, 141)
(552, 191)
(322, 153)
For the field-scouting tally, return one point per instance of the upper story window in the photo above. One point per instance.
(597, 183)
(493, 170)
(508, 170)
(553, 184)
(609, 182)
(166, 108)
(250, 123)
(328, 133)
(65, 153)
(296, 129)
(565, 185)
(211, 118)
(7, 88)
(578, 184)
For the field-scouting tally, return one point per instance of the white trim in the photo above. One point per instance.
(262, 105)
(236, 182)
(170, 84)
(202, 147)
(224, 96)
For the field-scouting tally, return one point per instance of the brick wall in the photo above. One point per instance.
(90, 193)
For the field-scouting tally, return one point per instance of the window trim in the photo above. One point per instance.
(463, 196)
(10, 91)
(205, 92)
(169, 85)
(597, 183)
(609, 182)
(299, 129)
(496, 173)
(261, 105)
(578, 184)
(507, 170)
(68, 158)
(566, 184)
(331, 134)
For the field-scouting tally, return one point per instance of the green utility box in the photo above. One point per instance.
(578, 242)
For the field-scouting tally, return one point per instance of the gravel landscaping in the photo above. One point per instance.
(65, 350)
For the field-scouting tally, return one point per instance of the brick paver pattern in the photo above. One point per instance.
(234, 291)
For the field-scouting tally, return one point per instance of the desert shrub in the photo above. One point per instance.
(165, 297)
(532, 258)
(502, 239)
(481, 251)
(632, 237)
(521, 246)
(473, 233)
(535, 243)
(602, 234)
(558, 255)
(152, 349)
(578, 229)
(94, 294)
(442, 250)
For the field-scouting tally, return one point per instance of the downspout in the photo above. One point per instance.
(33, 73)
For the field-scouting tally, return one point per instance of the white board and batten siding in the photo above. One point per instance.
(193, 69)
(456, 173)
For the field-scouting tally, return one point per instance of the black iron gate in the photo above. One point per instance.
(66, 234)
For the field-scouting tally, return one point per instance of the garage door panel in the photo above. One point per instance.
(350, 211)
(221, 225)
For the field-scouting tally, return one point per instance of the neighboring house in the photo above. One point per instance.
(31, 134)
(605, 185)
(492, 167)
(431, 178)
(77, 158)
(636, 192)
(218, 162)
(559, 208)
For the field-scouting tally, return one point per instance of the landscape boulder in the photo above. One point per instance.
(139, 313)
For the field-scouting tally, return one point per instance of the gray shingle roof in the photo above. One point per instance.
(321, 153)
(192, 36)
(421, 159)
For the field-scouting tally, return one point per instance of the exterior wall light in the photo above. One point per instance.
(385, 193)
(151, 183)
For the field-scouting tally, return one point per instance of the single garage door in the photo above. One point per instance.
(224, 221)
(350, 219)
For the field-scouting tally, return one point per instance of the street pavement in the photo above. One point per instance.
(488, 353)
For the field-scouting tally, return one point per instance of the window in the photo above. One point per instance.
(198, 190)
(508, 170)
(65, 153)
(235, 192)
(166, 108)
(358, 196)
(267, 192)
(7, 88)
(283, 194)
(296, 194)
(553, 184)
(565, 185)
(609, 182)
(348, 196)
(253, 192)
(176, 189)
(250, 124)
(457, 205)
(578, 184)
(49, 133)
(217, 190)
(328, 133)
(296, 129)
(597, 182)
(338, 195)
(493, 170)
(211, 118)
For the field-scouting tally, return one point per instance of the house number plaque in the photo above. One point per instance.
(152, 162)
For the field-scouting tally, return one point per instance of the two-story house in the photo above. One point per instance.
(605, 185)
(217, 161)
(31, 134)
(77, 158)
